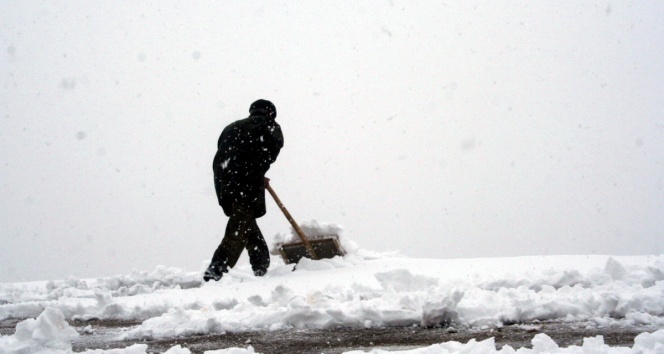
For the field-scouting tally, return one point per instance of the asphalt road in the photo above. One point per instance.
(101, 334)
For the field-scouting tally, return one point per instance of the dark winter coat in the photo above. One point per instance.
(245, 150)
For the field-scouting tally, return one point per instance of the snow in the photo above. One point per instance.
(315, 230)
(362, 290)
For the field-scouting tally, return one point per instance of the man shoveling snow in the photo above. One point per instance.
(245, 151)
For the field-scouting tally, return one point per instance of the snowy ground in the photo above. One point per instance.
(361, 290)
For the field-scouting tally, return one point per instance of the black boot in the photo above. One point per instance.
(215, 271)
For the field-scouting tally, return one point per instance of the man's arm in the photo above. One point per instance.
(277, 143)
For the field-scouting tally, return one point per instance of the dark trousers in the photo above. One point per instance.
(242, 232)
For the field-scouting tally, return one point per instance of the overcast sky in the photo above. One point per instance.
(439, 130)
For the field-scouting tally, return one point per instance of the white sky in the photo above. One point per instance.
(439, 130)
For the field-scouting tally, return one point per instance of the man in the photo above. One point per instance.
(245, 151)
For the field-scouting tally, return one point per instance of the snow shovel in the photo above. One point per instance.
(324, 247)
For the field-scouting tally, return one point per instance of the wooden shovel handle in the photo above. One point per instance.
(295, 226)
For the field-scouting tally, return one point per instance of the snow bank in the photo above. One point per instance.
(138, 282)
(90, 298)
(353, 291)
(49, 332)
(645, 343)
(405, 292)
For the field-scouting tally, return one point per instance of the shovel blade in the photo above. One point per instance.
(326, 247)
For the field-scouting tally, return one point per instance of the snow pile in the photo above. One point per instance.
(381, 292)
(354, 291)
(138, 282)
(645, 343)
(314, 230)
(92, 298)
(49, 331)
(390, 292)
(51, 334)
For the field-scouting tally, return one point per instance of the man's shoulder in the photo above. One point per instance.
(238, 124)
(251, 123)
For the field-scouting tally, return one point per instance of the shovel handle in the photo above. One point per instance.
(295, 226)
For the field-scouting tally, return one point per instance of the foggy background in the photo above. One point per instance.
(440, 130)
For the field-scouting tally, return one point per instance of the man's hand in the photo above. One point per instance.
(266, 181)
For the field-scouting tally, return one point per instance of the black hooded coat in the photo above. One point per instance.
(245, 150)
